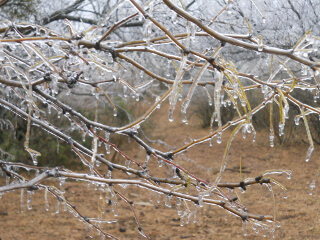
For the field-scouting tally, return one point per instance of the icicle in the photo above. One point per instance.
(254, 134)
(29, 205)
(159, 198)
(281, 129)
(146, 160)
(309, 153)
(109, 174)
(75, 214)
(168, 69)
(286, 111)
(312, 186)
(179, 207)
(200, 200)
(128, 162)
(94, 151)
(157, 100)
(142, 232)
(107, 145)
(34, 154)
(115, 111)
(195, 210)
(255, 228)
(7, 180)
(65, 206)
(1, 52)
(187, 100)
(125, 91)
(46, 199)
(260, 43)
(176, 87)
(230, 7)
(188, 217)
(244, 131)
(114, 207)
(271, 140)
(184, 116)
(296, 120)
(264, 20)
(58, 146)
(244, 228)
(315, 45)
(62, 181)
(160, 161)
(193, 30)
(219, 137)
(285, 195)
(168, 201)
(182, 219)
(49, 109)
(22, 200)
(304, 70)
(36, 113)
(58, 207)
(170, 115)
